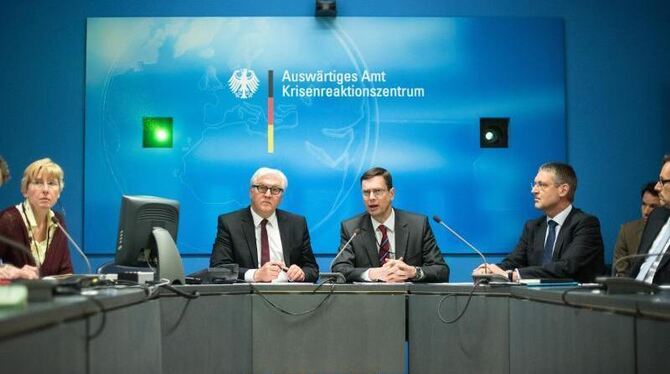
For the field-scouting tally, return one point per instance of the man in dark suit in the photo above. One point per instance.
(628, 240)
(268, 244)
(656, 236)
(565, 243)
(392, 245)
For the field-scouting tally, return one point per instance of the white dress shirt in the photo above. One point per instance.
(38, 249)
(390, 233)
(659, 247)
(560, 220)
(274, 241)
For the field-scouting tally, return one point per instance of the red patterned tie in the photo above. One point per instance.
(265, 245)
(384, 246)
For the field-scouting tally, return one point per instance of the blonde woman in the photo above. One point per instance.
(31, 222)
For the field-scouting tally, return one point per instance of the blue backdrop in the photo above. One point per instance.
(458, 69)
(616, 81)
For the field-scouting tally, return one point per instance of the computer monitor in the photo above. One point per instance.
(147, 235)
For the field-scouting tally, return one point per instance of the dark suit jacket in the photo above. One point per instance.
(578, 252)
(414, 242)
(236, 242)
(627, 243)
(655, 223)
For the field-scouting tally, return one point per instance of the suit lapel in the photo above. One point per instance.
(369, 239)
(250, 235)
(284, 234)
(401, 235)
(666, 256)
(639, 228)
(654, 227)
(564, 229)
(637, 234)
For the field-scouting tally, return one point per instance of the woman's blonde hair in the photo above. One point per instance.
(45, 167)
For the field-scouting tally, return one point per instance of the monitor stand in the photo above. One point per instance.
(169, 265)
(169, 261)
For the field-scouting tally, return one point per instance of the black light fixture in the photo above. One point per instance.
(493, 132)
(326, 8)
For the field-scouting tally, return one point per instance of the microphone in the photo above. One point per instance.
(627, 285)
(478, 277)
(637, 255)
(88, 264)
(439, 221)
(339, 252)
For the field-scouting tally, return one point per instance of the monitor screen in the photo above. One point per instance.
(136, 245)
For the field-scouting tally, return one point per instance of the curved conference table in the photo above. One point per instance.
(348, 328)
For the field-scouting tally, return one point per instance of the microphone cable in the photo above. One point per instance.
(192, 295)
(279, 309)
(465, 308)
(103, 317)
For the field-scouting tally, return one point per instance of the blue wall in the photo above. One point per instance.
(618, 88)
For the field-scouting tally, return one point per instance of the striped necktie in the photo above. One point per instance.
(384, 246)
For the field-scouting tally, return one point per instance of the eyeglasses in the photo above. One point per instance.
(541, 185)
(377, 192)
(51, 184)
(663, 181)
(264, 189)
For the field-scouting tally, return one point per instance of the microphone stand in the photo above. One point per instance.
(88, 263)
(477, 278)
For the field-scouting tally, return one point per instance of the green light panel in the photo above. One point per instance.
(157, 132)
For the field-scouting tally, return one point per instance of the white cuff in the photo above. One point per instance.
(249, 275)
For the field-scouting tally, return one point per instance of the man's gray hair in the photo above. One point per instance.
(563, 174)
(261, 172)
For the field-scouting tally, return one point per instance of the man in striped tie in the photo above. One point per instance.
(392, 245)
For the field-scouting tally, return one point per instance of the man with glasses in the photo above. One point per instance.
(656, 236)
(565, 243)
(268, 244)
(391, 245)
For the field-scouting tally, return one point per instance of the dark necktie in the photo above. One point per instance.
(549, 244)
(265, 245)
(384, 245)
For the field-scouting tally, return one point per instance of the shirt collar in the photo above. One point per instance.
(562, 216)
(272, 220)
(389, 223)
(29, 216)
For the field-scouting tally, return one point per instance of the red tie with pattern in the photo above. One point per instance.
(265, 245)
(384, 246)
